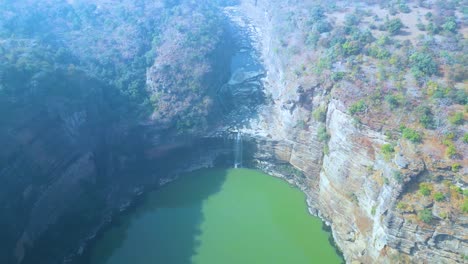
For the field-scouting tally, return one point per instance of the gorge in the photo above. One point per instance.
(102, 103)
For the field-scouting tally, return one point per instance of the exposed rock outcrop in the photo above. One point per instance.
(349, 183)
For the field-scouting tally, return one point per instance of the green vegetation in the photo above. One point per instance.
(425, 189)
(301, 124)
(379, 53)
(456, 167)
(450, 24)
(326, 149)
(425, 215)
(398, 176)
(464, 207)
(393, 101)
(338, 76)
(410, 134)
(394, 26)
(438, 196)
(402, 206)
(351, 48)
(373, 209)
(358, 107)
(426, 118)
(322, 134)
(118, 48)
(320, 114)
(422, 64)
(387, 150)
(289, 170)
(456, 188)
(457, 119)
(465, 138)
(451, 150)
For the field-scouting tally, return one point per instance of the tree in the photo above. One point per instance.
(457, 118)
(351, 48)
(423, 64)
(357, 107)
(394, 26)
(450, 25)
(410, 134)
(426, 118)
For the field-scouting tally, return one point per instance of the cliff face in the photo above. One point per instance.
(100, 101)
(337, 161)
(71, 160)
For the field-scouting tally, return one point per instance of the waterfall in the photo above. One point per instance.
(238, 150)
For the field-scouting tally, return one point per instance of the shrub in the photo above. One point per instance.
(424, 189)
(326, 149)
(425, 215)
(444, 215)
(401, 206)
(432, 28)
(422, 64)
(411, 135)
(465, 138)
(387, 149)
(320, 114)
(456, 167)
(317, 13)
(438, 196)
(350, 48)
(312, 39)
(450, 24)
(426, 118)
(322, 134)
(394, 26)
(392, 100)
(301, 124)
(464, 208)
(338, 76)
(322, 26)
(451, 150)
(373, 209)
(383, 40)
(404, 8)
(457, 119)
(357, 107)
(398, 176)
(457, 189)
(379, 53)
(421, 26)
(458, 96)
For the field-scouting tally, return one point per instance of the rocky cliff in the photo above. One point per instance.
(338, 161)
(100, 102)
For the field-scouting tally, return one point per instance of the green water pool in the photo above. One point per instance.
(216, 216)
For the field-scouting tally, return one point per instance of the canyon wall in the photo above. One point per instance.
(337, 161)
(100, 102)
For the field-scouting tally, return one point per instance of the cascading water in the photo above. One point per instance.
(238, 150)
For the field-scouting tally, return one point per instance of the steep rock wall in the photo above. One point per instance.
(349, 183)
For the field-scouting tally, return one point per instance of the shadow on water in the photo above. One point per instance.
(164, 227)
